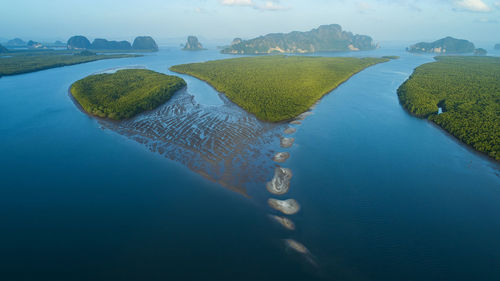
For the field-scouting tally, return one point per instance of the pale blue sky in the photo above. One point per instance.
(384, 20)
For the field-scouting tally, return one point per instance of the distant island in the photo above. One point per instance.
(103, 44)
(78, 42)
(276, 88)
(141, 43)
(125, 93)
(145, 43)
(480, 52)
(326, 38)
(448, 45)
(35, 45)
(460, 94)
(16, 42)
(193, 44)
(3, 49)
(497, 46)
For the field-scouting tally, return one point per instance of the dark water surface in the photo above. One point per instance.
(384, 196)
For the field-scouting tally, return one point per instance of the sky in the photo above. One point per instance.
(222, 20)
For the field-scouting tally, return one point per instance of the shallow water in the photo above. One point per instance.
(383, 195)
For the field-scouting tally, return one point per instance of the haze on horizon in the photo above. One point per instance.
(222, 20)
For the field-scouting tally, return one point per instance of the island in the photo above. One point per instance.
(78, 42)
(19, 62)
(141, 44)
(497, 47)
(145, 43)
(35, 45)
(16, 42)
(326, 38)
(448, 45)
(460, 94)
(193, 44)
(103, 44)
(480, 52)
(125, 93)
(276, 88)
(3, 49)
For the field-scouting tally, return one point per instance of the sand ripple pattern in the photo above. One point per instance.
(223, 143)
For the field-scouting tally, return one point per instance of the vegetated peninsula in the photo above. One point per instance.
(467, 89)
(193, 44)
(326, 38)
(125, 93)
(276, 88)
(19, 62)
(448, 45)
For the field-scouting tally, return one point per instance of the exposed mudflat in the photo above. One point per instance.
(285, 222)
(297, 246)
(287, 142)
(280, 183)
(281, 157)
(223, 143)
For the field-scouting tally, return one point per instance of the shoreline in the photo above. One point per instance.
(469, 147)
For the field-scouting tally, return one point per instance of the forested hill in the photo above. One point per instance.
(448, 45)
(326, 38)
(468, 91)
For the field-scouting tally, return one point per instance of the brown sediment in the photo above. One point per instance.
(286, 142)
(281, 157)
(285, 222)
(287, 207)
(290, 131)
(280, 184)
(295, 122)
(222, 143)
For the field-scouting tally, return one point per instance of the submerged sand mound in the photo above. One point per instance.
(295, 122)
(285, 222)
(290, 131)
(287, 207)
(287, 142)
(280, 183)
(304, 115)
(297, 246)
(281, 157)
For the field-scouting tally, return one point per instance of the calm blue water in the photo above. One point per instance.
(384, 196)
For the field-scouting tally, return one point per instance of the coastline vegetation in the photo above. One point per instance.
(19, 62)
(276, 88)
(467, 89)
(125, 93)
